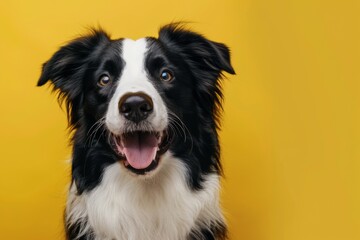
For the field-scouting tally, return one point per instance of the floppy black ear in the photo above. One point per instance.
(66, 69)
(207, 61)
(206, 54)
(64, 66)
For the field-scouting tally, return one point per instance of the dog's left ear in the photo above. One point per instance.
(201, 52)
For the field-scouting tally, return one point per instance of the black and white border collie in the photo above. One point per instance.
(144, 115)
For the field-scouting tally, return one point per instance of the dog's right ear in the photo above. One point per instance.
(66, 67)
(66, 70)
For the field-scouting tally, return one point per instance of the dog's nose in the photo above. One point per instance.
(136, 106)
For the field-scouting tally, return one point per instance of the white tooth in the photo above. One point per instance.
(126, 163)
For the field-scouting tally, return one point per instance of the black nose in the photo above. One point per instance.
(135, 106)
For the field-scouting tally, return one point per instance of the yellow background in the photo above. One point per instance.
(291, 132)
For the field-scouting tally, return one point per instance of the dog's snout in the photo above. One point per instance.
(136, 106)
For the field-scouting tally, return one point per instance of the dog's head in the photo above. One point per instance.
(141, 98)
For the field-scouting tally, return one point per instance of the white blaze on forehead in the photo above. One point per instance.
(133, 53)
(134, 79)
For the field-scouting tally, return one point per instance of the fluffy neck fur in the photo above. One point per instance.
(124, 207)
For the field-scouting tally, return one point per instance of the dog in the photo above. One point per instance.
(144, 117)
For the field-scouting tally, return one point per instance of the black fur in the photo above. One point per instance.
(215, 232)
(194, 95)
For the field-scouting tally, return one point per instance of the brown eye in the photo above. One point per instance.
(166, 75)
(104, 80)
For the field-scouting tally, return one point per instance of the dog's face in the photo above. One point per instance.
(140, 99)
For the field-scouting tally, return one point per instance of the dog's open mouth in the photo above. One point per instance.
(140, 150)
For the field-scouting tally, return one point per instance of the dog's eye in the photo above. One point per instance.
(166, 75)
(104, 80)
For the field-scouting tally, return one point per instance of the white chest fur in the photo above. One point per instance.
(124, 207)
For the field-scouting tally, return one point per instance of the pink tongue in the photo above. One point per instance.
(140, 149)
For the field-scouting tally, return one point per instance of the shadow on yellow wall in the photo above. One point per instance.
(291, 134)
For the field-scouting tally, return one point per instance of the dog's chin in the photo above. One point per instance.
(140, 151)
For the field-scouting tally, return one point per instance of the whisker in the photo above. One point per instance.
(91, 134)
(178, 123)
